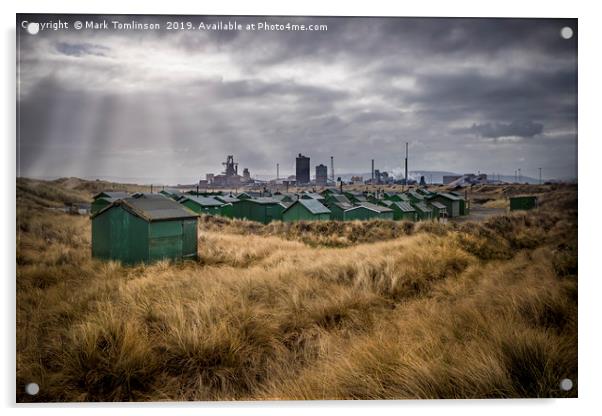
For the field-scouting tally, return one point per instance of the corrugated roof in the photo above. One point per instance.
(152, 208)
(375, 207)
(312, 195)
(339, 198)
(416, 195)
(204, 201)
(421, 206)
(438, 205)
(314, 206)
(404, 206)
(227, 198)
(344, 205)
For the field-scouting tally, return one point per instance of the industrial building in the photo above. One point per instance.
(145, 228)
(302, 170)
(321, 175)
(306, 210)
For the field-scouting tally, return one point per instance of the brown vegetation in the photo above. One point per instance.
(373, 310)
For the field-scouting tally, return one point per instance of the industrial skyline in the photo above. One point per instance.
(468, 95)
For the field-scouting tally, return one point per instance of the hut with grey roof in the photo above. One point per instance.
(306, 210)
(144, 229)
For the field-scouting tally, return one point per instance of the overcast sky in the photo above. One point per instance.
(485, 95)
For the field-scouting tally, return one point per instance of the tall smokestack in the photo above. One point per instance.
(372, 171)
(277, 171)
(332, 168)
(406, 163)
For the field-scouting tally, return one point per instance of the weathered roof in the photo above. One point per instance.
(421, 206)
(312, 195)
(374, 207)
(111, 194)
(226, 198)
(152, 207)
(314, 206)
(204, 201)
(404, 206)
(345, 206)
(339, 198)
(263, 200)
(438, 205)
(416, 195)
(386, 202)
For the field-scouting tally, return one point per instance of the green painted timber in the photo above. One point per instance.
(201, 209)
(299, 212)
(119, 235)
(259, 210)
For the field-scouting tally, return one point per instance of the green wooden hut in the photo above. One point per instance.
(439, 210)
(144, 229)
(306, 210)
(311, 195)
(172, 193)
(368, 211)
(336, 198)
(100, 203)
(423, 211)
(202, 204)
(111, 194)
(452, 203)
(263, 210)
(105, 198)
(414, 196)
(523, 202)
(402, 211)
(339, 210)
(356, 197)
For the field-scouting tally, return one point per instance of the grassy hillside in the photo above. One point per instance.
(372, 310)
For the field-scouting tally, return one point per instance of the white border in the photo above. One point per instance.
(589, 170)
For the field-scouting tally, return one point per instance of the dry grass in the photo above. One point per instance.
(283, 312)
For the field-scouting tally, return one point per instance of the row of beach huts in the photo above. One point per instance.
(143, 227)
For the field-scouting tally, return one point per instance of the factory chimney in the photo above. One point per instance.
(277, 171)
(332, 168)
(372, 181)
(406, 165)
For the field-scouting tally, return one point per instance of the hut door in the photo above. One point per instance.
(189, 238)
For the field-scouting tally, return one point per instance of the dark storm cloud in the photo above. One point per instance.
(525, 129)
(171, 104)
